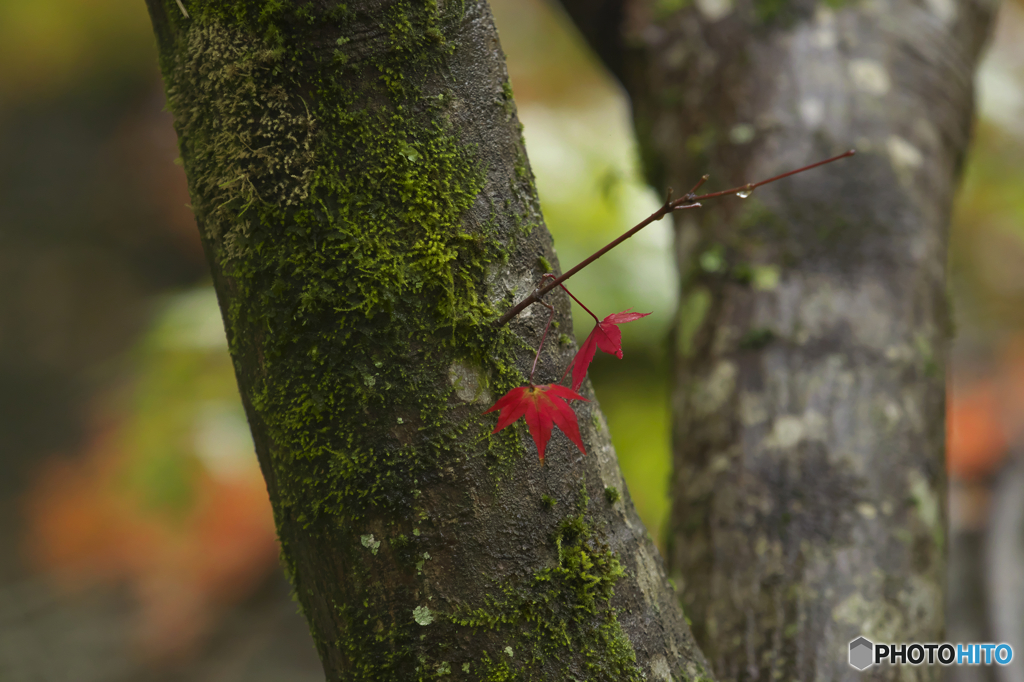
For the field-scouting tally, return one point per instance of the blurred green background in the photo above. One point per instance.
(129, 460)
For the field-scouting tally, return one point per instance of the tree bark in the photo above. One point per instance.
(809, 484)
(367, 210)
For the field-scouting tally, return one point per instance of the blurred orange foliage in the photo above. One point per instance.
(975, 440)
(985, 415)
(86, 525)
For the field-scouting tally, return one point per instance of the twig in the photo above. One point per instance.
(541, 291)
(182, 8)
(690, 200)
(751, 186)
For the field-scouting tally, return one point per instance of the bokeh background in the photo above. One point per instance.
(136, 541)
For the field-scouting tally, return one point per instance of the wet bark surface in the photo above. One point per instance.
(809, 403)
(360, 183)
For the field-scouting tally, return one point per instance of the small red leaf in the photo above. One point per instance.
(608, 337)
(543, 406)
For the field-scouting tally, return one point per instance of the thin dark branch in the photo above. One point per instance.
(539, 292)
(688, 201)
(751, 186)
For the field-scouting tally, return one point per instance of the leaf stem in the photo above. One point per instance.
(688, 201)
(578, 302)
(566, 372)
(542, 338)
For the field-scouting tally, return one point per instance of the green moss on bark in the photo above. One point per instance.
(346, 224)
(337, 217)
(559, 613)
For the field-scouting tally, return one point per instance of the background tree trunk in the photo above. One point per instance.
(366, 206)
(809, 404)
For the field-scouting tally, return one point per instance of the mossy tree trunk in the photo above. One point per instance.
(809, 489)
(360, 183)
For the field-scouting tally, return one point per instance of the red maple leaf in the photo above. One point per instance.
(543, 406)
(608, 337)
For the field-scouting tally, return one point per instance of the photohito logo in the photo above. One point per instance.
(861, 653)
(864, 653)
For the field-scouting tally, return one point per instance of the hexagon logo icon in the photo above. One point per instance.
(861, 650)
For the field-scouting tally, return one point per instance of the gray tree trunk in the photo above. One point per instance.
(809, 487)
(360, 183)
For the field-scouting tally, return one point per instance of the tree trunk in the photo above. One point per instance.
(361, 187)
(809, 484)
